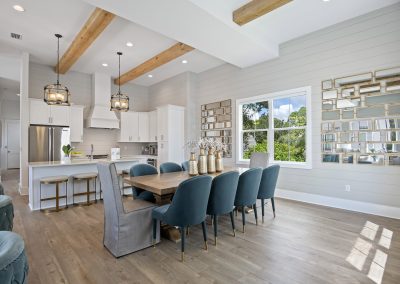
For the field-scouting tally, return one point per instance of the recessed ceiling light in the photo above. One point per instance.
(184, 61)
(150, 76)
(129, 44)
(105, 64)
(19, 8)
(326, 0)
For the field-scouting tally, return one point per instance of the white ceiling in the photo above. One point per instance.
(204, 24)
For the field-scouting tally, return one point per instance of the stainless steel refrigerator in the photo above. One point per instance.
(45, 142)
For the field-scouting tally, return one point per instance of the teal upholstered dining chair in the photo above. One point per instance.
(13, 262)
(222, 198)
(142, 170)
(188, 207)
(170, 167)
(6, 213)
(185, 166)
(246, 194)
(267, 186)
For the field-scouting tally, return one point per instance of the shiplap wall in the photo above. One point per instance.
(362, 44)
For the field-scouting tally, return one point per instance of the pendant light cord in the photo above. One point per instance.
(119, 73)
(58, 60)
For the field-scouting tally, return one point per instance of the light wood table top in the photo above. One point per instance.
(167, 183)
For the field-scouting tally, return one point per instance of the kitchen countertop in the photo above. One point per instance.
(81, 162)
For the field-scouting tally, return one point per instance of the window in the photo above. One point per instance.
(279, 124)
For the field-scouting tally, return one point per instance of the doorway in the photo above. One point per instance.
(12, 143)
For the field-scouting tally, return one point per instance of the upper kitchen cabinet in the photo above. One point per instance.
(143, 127)
(76, 123)
(129, 126)
(153, 126)
(44, 114)
(170, 129)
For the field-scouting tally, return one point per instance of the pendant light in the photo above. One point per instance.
(119, 101)
(57, 94)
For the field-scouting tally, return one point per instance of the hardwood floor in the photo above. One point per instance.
(304, 244)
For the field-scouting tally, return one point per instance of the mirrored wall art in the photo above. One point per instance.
(393, 86)
(326, 95)
(366, 77)
(348, 103)
(371, 159)
(371, 88)
(348, 92)
(394, 160)
(327, 84)
(387, 73)
(348, 159)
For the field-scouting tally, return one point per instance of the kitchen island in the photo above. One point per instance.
(38, 170)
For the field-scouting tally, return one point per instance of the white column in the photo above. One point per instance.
(24, 119)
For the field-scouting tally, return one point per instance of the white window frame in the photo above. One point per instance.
(270, 97)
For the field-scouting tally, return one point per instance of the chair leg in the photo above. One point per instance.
(255, 213)
(187, 230)
(203, 225)
(262, 209)
(215, 229)
(233, 223)
(154, 232)
(273, 205)
(243, 218)
(182, 243)
(236, 211)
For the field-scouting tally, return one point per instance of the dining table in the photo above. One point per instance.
(163, 187)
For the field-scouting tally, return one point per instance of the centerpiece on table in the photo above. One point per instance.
(192, 146)
(203, 146)
(220, 148)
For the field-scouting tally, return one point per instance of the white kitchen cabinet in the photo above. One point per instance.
(76, 123)
(143, 127)
(129, 126)
(170, 129)
(153, 126)
(43, 114)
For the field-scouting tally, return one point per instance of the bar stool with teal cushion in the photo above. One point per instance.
(6, 213)
(188, 208)
(13, 262)
(170, 167)
(142, 170)
(267, 186)
(246, 194)
(222, 198)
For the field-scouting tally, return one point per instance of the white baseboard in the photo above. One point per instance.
(364, 207)
(23, 190)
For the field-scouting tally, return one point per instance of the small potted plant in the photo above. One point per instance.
(67, 149)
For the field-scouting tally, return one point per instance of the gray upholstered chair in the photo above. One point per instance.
(259, 160)
(267, 186)
(13, 262)
(170, 167)
(127, 226)
(6, 213)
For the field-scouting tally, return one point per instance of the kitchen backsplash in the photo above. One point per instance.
(103, 140)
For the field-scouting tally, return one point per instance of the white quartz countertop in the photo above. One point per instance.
(73, 162)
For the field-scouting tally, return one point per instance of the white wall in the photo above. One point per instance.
(362, 44)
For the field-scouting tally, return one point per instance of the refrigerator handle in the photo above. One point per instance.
(52, 143)
(49, 138)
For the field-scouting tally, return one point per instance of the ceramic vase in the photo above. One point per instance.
(219, 165)
(211, 161)
(202, 166)
(193, 165)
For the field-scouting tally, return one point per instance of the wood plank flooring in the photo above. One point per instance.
(303, 244)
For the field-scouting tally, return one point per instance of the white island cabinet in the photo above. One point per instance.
(38, 170)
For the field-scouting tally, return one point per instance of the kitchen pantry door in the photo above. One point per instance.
(13, 143)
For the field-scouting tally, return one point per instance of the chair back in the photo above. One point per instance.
(223, 192)
(142, 170)
(189, 204)
(170, 167)
(268, 182)
(259, 160)
(113, 207)
(185, 166)
(249, 183)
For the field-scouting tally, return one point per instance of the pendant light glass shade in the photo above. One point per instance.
(57, 94)
(119, 101)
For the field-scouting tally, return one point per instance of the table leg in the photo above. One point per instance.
(163, 199)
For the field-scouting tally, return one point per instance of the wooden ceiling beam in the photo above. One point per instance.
(162, 58)
(255, 9)
(94, 26)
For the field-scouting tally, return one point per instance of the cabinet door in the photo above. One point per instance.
(125, 130)
(59, 115)
(143, 127)
(76, 123)
(162, 123)
(153, 126)
(134, 126)
(39, 112)
(162, 153)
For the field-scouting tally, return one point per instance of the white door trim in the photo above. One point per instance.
(5, 139)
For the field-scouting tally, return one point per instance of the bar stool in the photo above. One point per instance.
(54, 180)
(84, 177)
